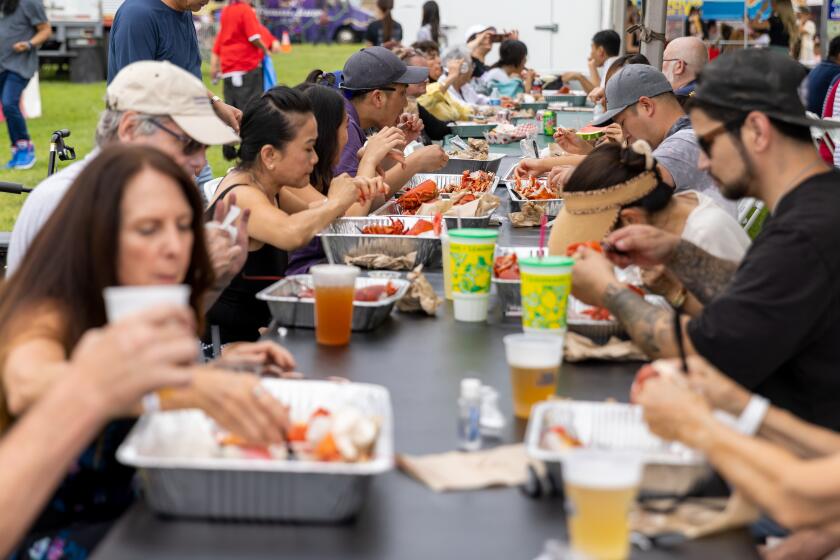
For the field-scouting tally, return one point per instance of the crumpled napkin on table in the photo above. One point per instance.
(580, 348)
(697, 518)
(421, 296)
(383, 262)
(530, 215)
(502, 466)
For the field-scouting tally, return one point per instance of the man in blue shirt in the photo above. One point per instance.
(162, 30)
(822, 76)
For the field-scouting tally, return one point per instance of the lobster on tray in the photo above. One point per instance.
(414, 198)
(536, 189)
(475, 182)
(506, 267)
(397, 227)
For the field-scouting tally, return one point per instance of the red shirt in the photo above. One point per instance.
(239, 25)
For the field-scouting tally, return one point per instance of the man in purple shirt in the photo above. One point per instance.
(374, 85)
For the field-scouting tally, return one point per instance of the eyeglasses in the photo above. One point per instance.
(188, 145)
(675, 60)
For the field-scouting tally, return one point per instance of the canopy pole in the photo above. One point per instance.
(656, 13)
(619, 21)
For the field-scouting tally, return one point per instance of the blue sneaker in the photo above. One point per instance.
(26, 157)
(13, 161)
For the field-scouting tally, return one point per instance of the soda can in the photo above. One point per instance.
(503, 115)
(549, 121)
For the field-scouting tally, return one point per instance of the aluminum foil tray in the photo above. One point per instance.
(181, 477)
(456, 166)
(574, 100)
(536, 106)
(394, 209)
(508, 292)
(291, 311)
(552, 207)
(343, 239)
(670, 468)
(471, 129)
(445, 179)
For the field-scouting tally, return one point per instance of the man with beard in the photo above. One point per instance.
(772, 322)
(641, 100)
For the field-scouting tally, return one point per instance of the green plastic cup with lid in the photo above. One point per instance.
(471, 268)
(546, 283)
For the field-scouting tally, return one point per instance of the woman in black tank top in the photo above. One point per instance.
(277, 152)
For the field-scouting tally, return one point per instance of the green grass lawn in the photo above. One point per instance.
(77, 107)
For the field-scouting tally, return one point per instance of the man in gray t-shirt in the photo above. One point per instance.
(640, 99)
(23, 28)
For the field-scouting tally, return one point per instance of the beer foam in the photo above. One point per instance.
(535, 353)
(334, 275)
(607, 472)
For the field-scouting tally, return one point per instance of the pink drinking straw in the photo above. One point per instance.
(543, 228)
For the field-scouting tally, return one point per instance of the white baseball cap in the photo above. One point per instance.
(475, 30)
(161, 88)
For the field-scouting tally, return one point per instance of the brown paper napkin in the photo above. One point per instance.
(580, 348)
(421, 296)
(530, 215)
(502, 466)
(697, 518)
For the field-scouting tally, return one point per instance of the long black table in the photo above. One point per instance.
(421, 360)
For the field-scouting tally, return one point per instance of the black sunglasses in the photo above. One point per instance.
(189, 146)
(707, 141)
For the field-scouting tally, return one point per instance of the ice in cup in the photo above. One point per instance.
(601, 487)
(546, 283)
(335, 286)
(534, 362)
(471, 269)
(126, 300)
(447, 266)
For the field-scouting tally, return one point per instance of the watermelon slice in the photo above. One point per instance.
(590, 133)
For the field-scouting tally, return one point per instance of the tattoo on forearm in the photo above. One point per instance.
(649, 326)
(702, 274)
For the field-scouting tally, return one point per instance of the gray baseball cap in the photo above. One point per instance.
(377, 67)
(628, 85)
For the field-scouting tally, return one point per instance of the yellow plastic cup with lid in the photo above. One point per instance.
(471, 269)
(546, 283)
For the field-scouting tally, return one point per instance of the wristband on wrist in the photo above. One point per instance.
(215, 99)
(30, 45)
(753, 415)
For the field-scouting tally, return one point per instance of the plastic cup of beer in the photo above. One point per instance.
(601, 487)
(127, 300)
(447, 266)
(471, 269)
(335, 286)
(545, 287)
(534, 362)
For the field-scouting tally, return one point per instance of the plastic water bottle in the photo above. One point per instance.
(492, 419)
(495, 97)
(469, 415)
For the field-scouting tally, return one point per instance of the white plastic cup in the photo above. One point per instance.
(534, 362)
(601, 487)
(334, 290)
(127, 300)
(471, 268)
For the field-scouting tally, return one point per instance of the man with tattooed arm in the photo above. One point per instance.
(772, 322)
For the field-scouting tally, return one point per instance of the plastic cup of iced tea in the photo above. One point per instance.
(335, 285)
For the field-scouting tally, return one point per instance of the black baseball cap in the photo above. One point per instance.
(377, 67)
(757, 80)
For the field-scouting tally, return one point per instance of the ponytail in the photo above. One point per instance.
(387, 20)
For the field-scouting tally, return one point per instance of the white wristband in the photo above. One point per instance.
(753, 415)
(151, 403)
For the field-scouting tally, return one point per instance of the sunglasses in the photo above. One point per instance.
(707, 141)
(188, 145)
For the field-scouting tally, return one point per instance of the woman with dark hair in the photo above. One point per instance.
(615, 187)
(509, 74)
(385, 29)
(430, 25)
(279, 133)
(23, 28)
(133, 217)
